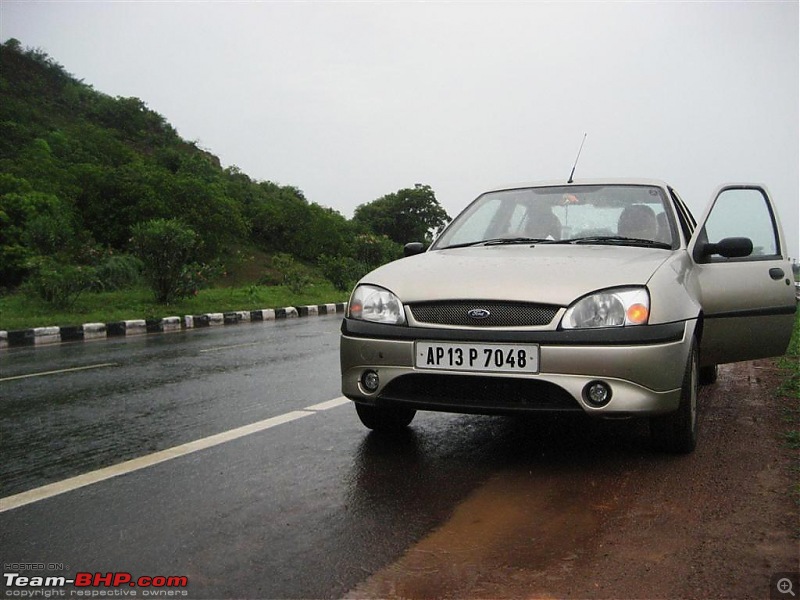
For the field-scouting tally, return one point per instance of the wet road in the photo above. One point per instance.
(311, 505)
(137, 395)
(307, 508)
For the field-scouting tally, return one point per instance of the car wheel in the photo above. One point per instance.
(384, 418)
(676, 432)
(708, 375)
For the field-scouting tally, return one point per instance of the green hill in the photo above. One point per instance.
(79, 169)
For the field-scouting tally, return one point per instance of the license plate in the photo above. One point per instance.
(488, 358)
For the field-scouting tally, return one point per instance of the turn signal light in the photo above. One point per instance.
(355, 309)
(637, 314)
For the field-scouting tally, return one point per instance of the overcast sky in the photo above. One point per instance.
(350, 101)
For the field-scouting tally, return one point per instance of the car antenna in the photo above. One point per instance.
(576, 159)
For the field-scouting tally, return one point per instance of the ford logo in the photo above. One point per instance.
(479, 313)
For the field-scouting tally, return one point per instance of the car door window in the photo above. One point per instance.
(744, 212)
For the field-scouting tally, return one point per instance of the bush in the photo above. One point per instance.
(165, 247)
(14, 264)
(343, 272)
(294, 275)
(369, 251)
(195, 277)
(118, 271)
(375, 250)
(59, 284)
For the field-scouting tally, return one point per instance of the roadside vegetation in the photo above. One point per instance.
(20, 312)
(790, 388)
(791, 363)
(789, 396)
(100, 200)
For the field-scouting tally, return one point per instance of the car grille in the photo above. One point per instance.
(478, 394)
(501, 314)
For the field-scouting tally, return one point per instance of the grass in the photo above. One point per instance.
(18, 311)
(789, 364)
(789, 398)
(248, 284)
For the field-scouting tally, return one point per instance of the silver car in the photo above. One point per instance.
(604, 297)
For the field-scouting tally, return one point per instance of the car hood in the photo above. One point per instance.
(548, 274)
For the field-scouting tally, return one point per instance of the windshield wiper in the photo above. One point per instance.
(617, 240)
(499, 241)
(463, 245)
(513, 240)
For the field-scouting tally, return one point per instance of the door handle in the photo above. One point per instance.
(776, 273)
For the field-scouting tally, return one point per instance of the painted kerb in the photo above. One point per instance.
(40, 336)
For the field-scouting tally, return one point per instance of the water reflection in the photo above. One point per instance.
(429, 466)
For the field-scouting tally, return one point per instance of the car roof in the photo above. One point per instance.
(579, 182)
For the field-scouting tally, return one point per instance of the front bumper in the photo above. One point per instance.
(643, 366)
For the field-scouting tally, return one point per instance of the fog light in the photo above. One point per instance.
(370, 381)
(597, 393)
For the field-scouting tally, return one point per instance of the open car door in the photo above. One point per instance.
(744, 277)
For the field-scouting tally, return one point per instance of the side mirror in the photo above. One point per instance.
(413, 248)
(732, 247)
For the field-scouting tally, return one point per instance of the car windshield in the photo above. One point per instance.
(598, 214)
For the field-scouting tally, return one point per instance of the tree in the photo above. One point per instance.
(408, 215)
(14, 45)
(282, 219)
(31, 224)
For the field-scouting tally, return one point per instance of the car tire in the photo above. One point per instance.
(384, 418)
(676, 432)
(708, 375)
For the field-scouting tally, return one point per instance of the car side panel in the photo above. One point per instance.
(674, 293)
(724, 337)
(746, 313)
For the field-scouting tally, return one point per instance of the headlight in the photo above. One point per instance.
(610, 308)
(371, 303)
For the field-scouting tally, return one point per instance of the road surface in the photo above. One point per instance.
(227, 457)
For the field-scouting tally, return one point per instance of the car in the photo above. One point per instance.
(603, 297)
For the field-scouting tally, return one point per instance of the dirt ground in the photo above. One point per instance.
(628, 523)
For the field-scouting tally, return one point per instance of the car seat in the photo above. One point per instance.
(638, 221)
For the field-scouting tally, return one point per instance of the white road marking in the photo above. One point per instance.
(79, 481)
(43, 373)
(221, 348)
(341, 400)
